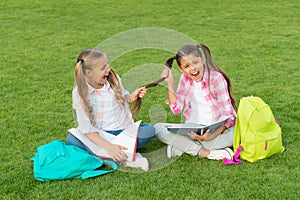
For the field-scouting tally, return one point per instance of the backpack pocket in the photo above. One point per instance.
(264, 146)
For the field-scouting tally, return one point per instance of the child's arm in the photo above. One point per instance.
(90, 131)
(129, 98)
(167, 73)
(140, 92)
(207, 136)
(177, 100)
(115, 151)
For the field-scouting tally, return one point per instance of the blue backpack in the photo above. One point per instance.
(57, 160)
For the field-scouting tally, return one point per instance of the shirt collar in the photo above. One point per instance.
(92, 89)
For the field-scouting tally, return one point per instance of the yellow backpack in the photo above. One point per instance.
(256, 130)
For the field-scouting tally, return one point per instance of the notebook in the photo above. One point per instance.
(199, 129)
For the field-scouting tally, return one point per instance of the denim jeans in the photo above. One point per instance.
(72, 140)
(146, 133)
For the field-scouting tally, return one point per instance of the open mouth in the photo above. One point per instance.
(105, 78)
(195, 74)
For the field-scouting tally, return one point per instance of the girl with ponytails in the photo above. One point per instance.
(102, 110)
(204, 95)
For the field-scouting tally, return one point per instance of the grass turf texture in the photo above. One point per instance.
(255, 42)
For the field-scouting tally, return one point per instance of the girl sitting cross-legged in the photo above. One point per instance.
(204, 95)
(101, 105)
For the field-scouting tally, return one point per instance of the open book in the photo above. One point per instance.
(127, 138)
(199, 129)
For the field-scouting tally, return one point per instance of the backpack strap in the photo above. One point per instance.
(93, 173)
(235, 160)
(237, 134)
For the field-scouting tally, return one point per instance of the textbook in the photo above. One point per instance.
(199, 129)
(127, 138)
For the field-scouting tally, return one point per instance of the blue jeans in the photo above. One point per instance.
(146, 133)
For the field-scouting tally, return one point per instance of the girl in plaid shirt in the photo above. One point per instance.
(204, 96)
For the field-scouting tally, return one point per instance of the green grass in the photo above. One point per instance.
(255, 42)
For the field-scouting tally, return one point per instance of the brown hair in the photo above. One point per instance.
(209, 63)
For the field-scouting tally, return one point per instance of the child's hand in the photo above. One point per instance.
(140, 92)
(117, 154)
(201, 138)
(167, 73)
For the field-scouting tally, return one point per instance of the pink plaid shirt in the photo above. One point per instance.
(220, 106)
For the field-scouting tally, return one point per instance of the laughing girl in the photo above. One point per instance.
(204, 96)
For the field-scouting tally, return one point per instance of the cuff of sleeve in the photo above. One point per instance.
(174, 108)
(230, 122)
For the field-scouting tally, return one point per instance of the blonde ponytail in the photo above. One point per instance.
(83, 91)
(85, 61)
(116, 87)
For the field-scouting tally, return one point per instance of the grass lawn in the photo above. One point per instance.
(255, 42)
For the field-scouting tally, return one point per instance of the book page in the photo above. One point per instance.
(127, 138)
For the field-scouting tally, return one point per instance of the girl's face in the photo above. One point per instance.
(192, 66)
(97, 76)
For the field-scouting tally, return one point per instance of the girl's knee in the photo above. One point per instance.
(159, 127)
(147, 130)
(163, 134)
(151, 129)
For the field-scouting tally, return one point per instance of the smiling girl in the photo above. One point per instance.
(204, 96)
(101, 105)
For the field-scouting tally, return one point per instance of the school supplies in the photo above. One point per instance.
(256, 130)
(199, 129)
(57, 160)
(127, 138)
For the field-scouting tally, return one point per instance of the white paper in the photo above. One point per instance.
(127, 138)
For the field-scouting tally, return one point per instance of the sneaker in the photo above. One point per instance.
(173, 152)
(140, 162)
(219, 154)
